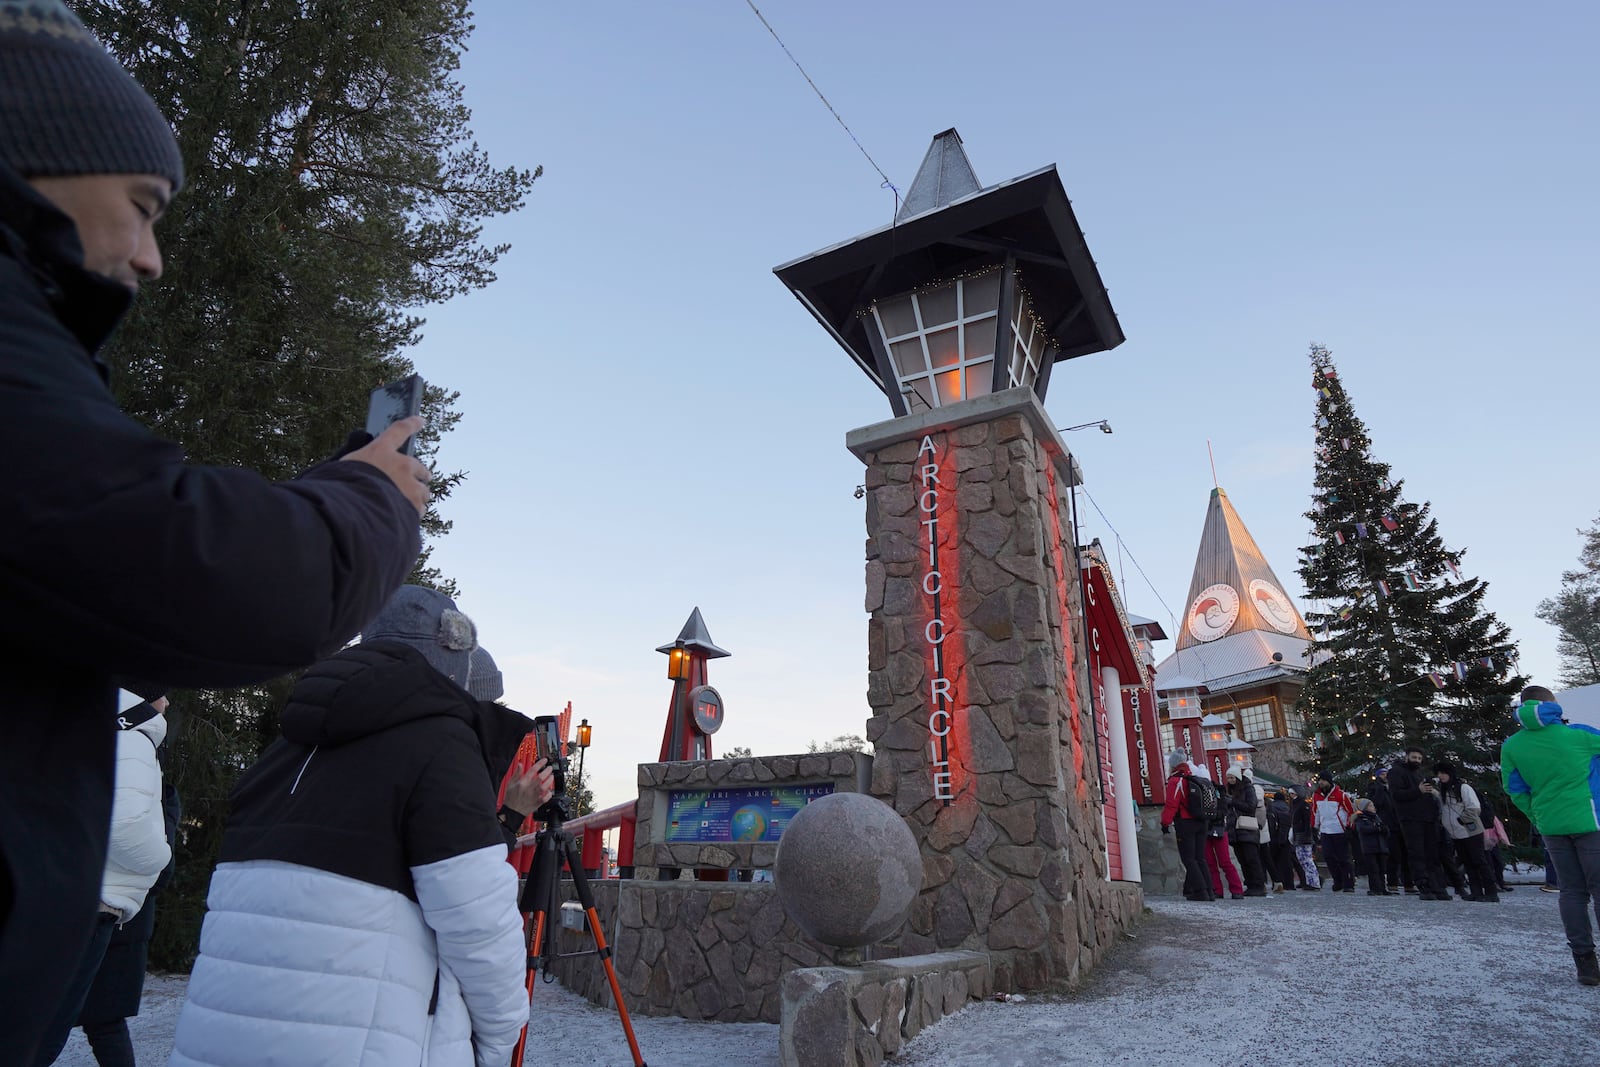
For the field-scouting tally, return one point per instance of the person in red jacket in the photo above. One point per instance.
(1191, 831)
(1332, 811)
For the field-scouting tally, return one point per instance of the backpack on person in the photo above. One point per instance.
(1205, 802)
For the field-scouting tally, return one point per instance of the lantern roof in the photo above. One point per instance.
(949, 227)
(946, 175)
(1215, 720)
(1149, 629)
(695, 637)
(1171, 682)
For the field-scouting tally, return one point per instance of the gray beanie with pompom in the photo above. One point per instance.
(429, 622)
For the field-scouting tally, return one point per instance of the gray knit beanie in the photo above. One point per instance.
(66, 105)
(484, 680)
(429, 622)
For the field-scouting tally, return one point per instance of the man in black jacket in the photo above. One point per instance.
(1396, 872)
(1416, 803)
(116, 557)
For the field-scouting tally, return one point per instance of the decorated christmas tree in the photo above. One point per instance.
(1403, 651)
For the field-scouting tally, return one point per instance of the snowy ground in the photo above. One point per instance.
(1297, 978)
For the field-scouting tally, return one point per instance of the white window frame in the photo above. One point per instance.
(914, 400)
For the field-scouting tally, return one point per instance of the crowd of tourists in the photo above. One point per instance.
(1410, 833)
(1420, 828)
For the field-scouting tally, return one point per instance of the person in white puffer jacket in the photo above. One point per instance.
(363, 913)
(138, 851)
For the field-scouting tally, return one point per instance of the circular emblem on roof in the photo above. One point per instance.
(1273, 606)
(1213, 611)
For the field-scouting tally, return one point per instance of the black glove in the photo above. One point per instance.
(1166, 828)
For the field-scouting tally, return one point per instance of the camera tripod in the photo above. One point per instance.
(541, 903)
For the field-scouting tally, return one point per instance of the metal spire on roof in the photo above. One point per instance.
(946, 175)
(694, 635)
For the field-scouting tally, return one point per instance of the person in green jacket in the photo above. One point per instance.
(1551, 770)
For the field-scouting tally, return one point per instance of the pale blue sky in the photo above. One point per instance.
(654, 423)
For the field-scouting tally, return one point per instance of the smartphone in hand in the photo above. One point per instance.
(393, 402)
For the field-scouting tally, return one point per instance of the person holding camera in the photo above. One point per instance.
(117, 556)
(1416, 802)
(363, 910)
(1462, 816)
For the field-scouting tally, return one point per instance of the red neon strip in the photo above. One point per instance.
(1079, 760)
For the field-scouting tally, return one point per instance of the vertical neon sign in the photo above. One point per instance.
(941, 697)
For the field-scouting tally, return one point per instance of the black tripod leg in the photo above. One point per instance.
(580, 882)
(538, 900)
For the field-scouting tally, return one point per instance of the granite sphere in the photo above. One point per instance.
(848, 870)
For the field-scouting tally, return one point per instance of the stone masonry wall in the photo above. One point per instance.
(1015, 863)
(699, 950)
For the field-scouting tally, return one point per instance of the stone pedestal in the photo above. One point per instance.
(857, 1016)
(979, 688)
(1160, 869)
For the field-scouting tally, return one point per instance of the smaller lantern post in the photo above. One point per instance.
(1218, 732)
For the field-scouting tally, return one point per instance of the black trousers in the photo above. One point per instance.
(1249, 853)
(1377, 865)
(1283, 865)
(1336, 854)
(1399, 871)
(1192, 851)
(1469, 850)
(1422, 855)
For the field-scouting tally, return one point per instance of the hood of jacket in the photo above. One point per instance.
(41, 238)
(378, 685)
(1538, 714)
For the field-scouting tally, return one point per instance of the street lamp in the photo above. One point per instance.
(585, 731)
(1105, 427)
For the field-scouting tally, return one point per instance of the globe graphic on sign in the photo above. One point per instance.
(749, 823)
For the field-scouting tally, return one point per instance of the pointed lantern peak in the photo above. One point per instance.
(695, 636)
(945, 176)
(1234, 588)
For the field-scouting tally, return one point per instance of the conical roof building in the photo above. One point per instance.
(1242, 638)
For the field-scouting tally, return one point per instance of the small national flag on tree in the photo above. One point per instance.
(1453, 568)
(1361, 529)
(1461, 672)
(1338, 537)
(1487, 661)
(1437, 679)
(1322, 422)
(1344, 443)
(1389, 524)
(1383, 587)
(1411, 582)
(1313, 551)
(1346, 612)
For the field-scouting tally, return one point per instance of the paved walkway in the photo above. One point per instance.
(1298, 978)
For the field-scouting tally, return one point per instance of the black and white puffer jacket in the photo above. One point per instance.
(363, 912)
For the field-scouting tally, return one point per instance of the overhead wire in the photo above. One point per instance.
(887, 184)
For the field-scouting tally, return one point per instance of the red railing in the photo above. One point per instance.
(591, 828)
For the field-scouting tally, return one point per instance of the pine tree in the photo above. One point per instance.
(333, 188)
(1403, 651)
(1575, 613)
